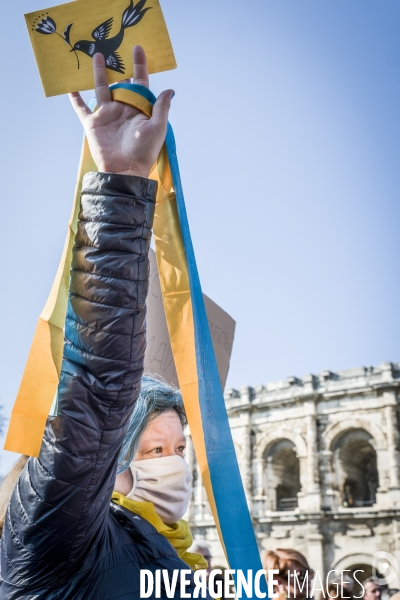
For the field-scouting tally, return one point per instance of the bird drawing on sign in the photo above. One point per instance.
(101, 42)
(108, 46)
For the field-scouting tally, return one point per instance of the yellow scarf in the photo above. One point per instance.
(178, 534)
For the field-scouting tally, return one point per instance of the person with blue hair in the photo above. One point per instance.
(156, 397)
(155, 431)
(106, 496)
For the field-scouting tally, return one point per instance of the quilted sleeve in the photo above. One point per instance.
(62, 499)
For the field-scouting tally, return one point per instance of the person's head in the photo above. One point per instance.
(156, 432)
(339, 588)
(372, 590)
(295, 575)
(204, 550)
(156, 425)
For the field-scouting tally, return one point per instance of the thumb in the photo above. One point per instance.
(161, 109)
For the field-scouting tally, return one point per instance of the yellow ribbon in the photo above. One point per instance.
(40, 379)
(178, 534)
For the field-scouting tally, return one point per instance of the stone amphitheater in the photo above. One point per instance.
(319, 458)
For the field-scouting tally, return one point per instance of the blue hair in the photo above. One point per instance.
(156, 397)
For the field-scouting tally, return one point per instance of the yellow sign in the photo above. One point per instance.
(66, 37)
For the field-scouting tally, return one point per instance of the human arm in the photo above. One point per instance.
(62, 499)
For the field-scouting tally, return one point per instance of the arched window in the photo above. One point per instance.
(283, 475)
(355, 467)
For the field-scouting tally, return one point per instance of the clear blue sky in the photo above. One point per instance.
(287, 122)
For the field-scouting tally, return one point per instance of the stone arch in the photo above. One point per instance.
(357, 449)
(283, 474)
(272, 437)
(346, 562)
(335, 430)
(276, 455)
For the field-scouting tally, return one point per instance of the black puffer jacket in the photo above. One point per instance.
(62, 538)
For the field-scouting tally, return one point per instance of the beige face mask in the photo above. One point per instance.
(166, 482)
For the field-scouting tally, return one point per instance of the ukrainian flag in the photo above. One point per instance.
(191, 346)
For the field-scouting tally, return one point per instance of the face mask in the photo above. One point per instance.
(166, 482)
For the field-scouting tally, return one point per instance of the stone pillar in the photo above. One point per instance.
(244, 458)
(312, 454)
(258, 468)
(331, 496)
(260, 501)
(312, 498)
(396, 550)
(315, 554)
(301, 496)
(393, 462)
(303, 461)
(392, 430)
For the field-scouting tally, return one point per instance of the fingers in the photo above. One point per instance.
(140, 67)
(79, 106)
(161, 109)
(103, 93)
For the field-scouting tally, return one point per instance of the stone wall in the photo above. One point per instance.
(319, 458)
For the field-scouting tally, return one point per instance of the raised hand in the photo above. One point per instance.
(121, 138)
